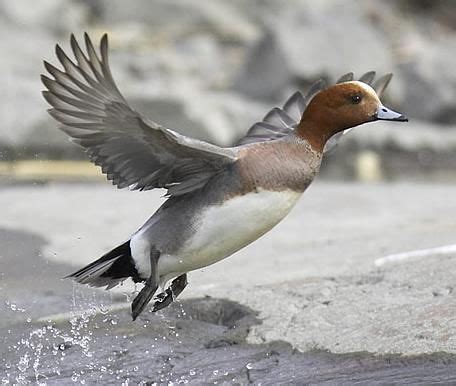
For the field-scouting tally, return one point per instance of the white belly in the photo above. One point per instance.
(224, 229)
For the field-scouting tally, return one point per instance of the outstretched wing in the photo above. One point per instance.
(280, 122)
(131, 150)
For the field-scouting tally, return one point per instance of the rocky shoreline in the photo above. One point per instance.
(212, 69)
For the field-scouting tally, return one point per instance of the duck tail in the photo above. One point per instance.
(109, 270)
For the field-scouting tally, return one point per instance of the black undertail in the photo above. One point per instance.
(110, 269)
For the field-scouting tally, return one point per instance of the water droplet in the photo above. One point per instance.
(249, 366)
(103, 309)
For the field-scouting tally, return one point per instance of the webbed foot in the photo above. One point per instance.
(165, 298)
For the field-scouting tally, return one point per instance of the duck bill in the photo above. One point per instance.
(385, 114)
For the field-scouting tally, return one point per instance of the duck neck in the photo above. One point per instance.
(315, 131)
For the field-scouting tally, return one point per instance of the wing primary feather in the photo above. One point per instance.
(295, 106)
(85, 64)
(53, 97)
(72, 69)
(64, 114)
(105, 65)
(94, 59)
(278, 117)
(65, 79)
(348, 77)
(314, 89)
(130, 149)
(382, 83)
(60, 87)
(368, 77)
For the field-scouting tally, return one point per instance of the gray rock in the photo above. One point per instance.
(172, 114)
(429, 81)
(329, 38)
(204, 68)
(182, 18)
(397, 308)
(266, 73)
(28, 36)
(50, 16)
(22, 106)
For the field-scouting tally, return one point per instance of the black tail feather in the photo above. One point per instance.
(109, 270)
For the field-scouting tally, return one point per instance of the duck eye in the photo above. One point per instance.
(355, 99)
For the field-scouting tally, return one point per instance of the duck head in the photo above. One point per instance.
(340, 107)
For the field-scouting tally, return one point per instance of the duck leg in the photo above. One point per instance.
(151, 285)
(164, 299)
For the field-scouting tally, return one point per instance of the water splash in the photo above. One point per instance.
(13, 306)
(41, 352)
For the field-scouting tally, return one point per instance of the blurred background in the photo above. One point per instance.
(364, 263)
(211, 69)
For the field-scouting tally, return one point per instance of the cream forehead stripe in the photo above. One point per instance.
(368, 89)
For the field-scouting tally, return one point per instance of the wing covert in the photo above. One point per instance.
(131, 150)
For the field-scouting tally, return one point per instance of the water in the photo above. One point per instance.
(192, 342)
(191, 347)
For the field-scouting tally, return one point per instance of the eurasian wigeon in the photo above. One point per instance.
(219, 199)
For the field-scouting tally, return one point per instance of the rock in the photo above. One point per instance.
(211, 69)
(181, 18)
(429, 82)
(330, 38)
(26, 130)
(266, 73)
(51, 16)
(397, 307)
(172, 114)
(228, 115)
(416, 150)
(22, 108)
(412, 136)
(438, 10)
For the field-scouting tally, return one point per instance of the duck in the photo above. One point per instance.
(218, 199)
